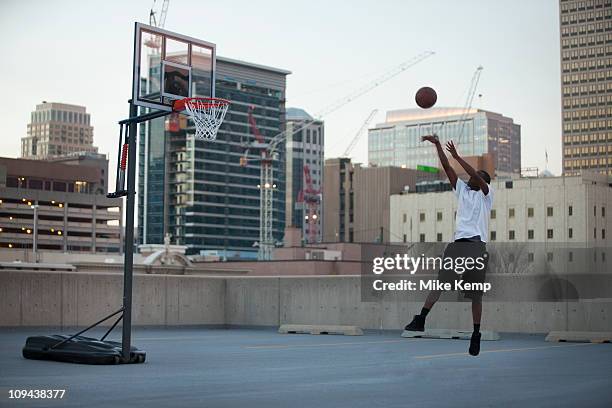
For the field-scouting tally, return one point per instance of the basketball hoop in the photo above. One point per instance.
(207, 114)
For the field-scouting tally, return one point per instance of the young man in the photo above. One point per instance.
(475, 200)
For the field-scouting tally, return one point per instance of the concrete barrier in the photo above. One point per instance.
(320, 329)
(34, 298)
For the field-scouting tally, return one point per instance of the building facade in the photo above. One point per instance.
(58, 129)
(197, 191)
(72, 213)
(586, 84)
(357, 199)
(397, 141)
(572, 210)
(305, 149)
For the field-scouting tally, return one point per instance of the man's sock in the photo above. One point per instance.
(476, 328)
(424, 312)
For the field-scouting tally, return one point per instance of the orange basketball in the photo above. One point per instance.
(426, 97)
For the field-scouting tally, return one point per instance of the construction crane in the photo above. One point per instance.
(310, 198)
(469, 100)
(161, 21)
(361, 130)
(267, 153)
(154, 43)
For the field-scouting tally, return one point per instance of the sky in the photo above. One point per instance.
(80, 52)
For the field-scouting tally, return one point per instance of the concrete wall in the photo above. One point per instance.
(79, 299)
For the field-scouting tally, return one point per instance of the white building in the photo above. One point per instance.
(572, 210)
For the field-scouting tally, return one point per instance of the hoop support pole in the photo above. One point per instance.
(128, 265)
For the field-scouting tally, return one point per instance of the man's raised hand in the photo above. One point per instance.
(431, 138)
(450, 147)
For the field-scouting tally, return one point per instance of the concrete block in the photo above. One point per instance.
(580, 336)
(319, 329)
(326, 300)
(201, 300)
(451, 334)
(41, 299)
(10, 298)
(252, 301)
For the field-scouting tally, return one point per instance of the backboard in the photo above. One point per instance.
(170, 66)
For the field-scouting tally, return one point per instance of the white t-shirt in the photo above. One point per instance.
(473, 211)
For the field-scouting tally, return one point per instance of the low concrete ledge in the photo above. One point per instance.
(580, 337)
(319, 329)
(450, 334)
(32, 266)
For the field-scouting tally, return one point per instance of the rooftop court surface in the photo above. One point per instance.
(204, 367)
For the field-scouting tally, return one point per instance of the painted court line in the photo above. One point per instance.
(499, 351)
(353, 343)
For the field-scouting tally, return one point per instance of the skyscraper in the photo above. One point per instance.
(586, 81)
(196, 191)
(57, 129)
(305, 147)
(397, 141)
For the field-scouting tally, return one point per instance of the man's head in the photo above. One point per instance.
(473, 185)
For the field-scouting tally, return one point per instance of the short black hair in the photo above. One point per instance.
(485, 176)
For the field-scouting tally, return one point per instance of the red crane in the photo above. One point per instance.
(311, 199)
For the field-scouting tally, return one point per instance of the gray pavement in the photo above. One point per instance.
(203, 367)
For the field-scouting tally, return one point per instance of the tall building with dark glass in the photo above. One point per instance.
(196, 191)
(586, 82)
(305, 150)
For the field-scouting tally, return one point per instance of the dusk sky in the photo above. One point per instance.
(81, 52)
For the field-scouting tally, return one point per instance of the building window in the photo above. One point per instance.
(404, 216)
(603, 234)
(530, 257)
(405, 237)
(594, 211)
(493, 214)
(570, 210)
(511, 235)
(549, 211)
(422, 237)
(549, 256)
(530, 212)
(439, 216)
(603, 212)
(570, 233)
(594, 233)
(511, 213)
(422, 217)
(549, 233)
(439, 237)
(530, 234)
(570, 256)
(493, 235)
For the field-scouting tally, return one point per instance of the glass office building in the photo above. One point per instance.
(305, 148)
(586, 76)
(196, 191)
(397, 141)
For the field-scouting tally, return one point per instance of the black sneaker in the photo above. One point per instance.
(417, 324)
(475, 344)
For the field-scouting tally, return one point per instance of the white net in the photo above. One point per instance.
(207, 115)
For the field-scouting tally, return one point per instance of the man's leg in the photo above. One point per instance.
(476, 316)
(418, 323)
(432, 298)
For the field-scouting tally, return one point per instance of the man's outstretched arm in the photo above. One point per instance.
(450, 172)
(484, 187)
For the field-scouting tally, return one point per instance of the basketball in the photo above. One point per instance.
(426, 97)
